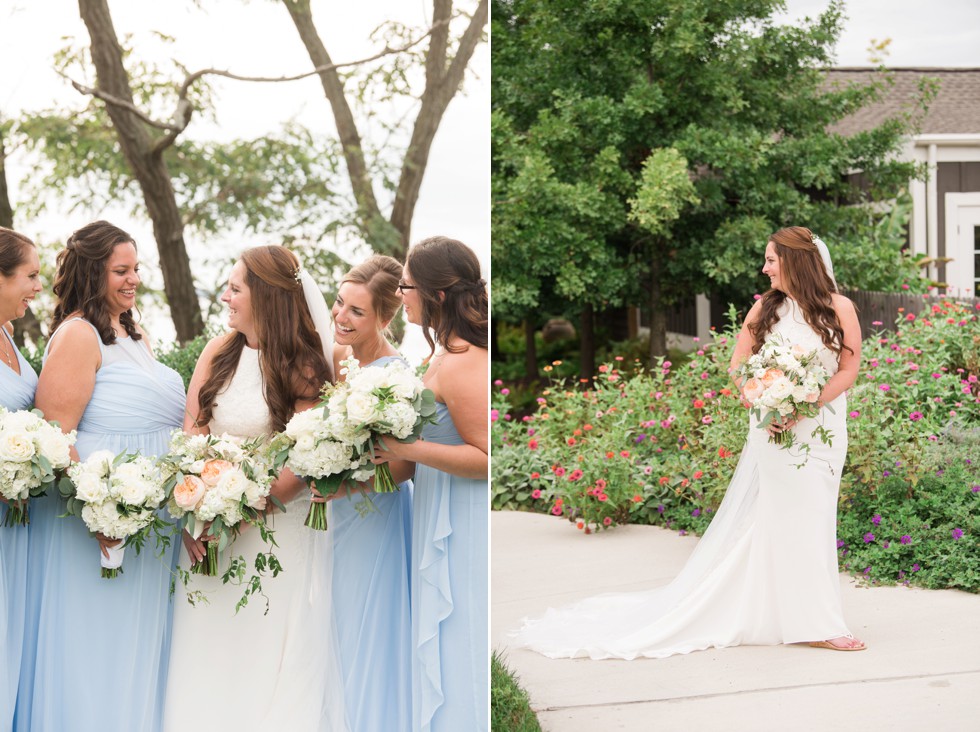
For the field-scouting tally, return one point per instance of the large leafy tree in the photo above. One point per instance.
(740, 103)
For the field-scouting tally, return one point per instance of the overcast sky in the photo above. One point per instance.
(923, 32)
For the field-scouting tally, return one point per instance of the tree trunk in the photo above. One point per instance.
(6, 210)
(28, 325)
(530, 352)
(442, 80)
(658, 316)
(377, 231)
(586, 340)
(148, 168)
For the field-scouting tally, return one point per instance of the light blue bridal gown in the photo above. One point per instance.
(371, 604)
(102, 645)
(16, 392)
(450, 666)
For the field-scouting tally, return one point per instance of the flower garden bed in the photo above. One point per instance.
(659, 447)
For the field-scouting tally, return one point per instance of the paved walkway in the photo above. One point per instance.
(920, 672)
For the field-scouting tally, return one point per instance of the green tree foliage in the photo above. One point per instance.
(742, 100)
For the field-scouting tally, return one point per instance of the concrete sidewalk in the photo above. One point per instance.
(920, 672)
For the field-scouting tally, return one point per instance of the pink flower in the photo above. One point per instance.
(606, 521)
(536, 493)
(915, 416)
(505, 392)
(494, 415)
(190, 493)
(498, 382)
(213, 470)
(884, 387)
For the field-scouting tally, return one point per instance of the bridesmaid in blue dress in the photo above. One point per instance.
(100, 647)
(371, 532)
(20, 281)
(442, 291)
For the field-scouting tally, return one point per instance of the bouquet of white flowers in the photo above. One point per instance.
(32, 451)
(332, 443)
(215, 484)
(782, 379)
(117, 496)
(310, 448)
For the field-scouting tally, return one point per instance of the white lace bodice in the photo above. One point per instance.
(240, 409)
(793, 327)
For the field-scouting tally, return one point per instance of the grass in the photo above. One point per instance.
(510, 708)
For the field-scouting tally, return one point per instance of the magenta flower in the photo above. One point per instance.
(660, 508)
(854, 415)
(876, 519)
(885, 387)
(841, 543)
(957, 534)
(916, 567)
(869, 537)
(505, 391)
(697, 512)
(494, 415)
(536, 493)
(498, 382)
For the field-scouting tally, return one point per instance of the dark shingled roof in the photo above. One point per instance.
(955, 110)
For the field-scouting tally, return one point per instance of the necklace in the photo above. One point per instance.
(6, 352)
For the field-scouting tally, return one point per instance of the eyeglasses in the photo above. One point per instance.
(402, 286)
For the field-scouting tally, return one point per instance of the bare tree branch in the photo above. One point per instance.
(185, 109)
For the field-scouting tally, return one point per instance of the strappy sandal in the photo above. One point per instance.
(832, 647)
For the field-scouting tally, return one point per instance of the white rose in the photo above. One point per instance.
(90, 487)
(55, 445)
(17, 447)
(362, 408)
(232, 485)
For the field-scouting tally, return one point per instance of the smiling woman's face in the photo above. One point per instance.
(771, 267)
(17, 290)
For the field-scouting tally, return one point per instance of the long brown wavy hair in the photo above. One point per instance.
(440, 264)
(290, 351)
(82, 279)
(804, 275)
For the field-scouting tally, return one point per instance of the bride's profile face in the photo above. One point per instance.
(771, 267)
(239, 301)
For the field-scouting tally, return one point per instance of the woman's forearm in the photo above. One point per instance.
(466, 461)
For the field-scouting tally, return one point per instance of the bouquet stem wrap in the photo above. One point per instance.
(112, 565)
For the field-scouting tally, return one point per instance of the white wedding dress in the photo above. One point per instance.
(765, 572)
(256, 671)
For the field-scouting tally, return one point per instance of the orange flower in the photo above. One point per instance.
(213, 470)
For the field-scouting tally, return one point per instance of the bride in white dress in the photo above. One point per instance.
(765, 572)
(251, 670)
